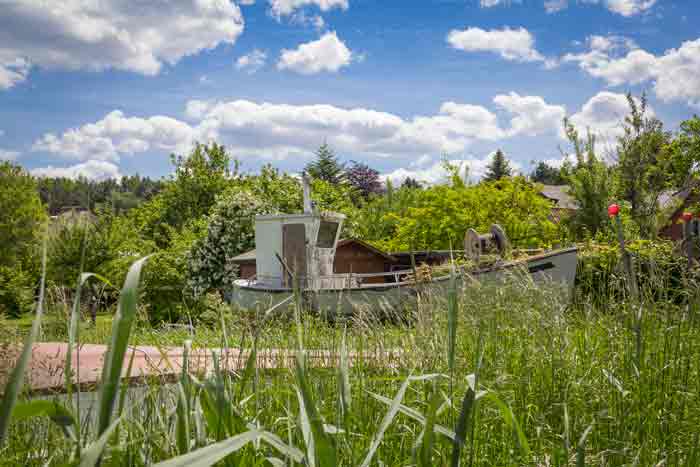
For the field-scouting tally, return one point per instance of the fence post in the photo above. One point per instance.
(614, 212)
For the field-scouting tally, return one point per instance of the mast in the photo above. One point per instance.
(306, 183)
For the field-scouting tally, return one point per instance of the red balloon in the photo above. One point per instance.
(686, 216)
(613, 210)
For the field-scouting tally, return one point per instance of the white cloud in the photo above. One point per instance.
(301, 18)
(628, 7)
(511, 44)
(603, 114)
(6, 155)
(492, 3)
(621, 7)
(475, 168)
(554, 6)
(92, 169)
(116, 135)
(287, 7)
(278, 131)
(532, 115)
(252, 61)
(325, 54)
(675, 74)
(128, 35)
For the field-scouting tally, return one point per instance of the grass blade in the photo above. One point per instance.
(512, 422)
(451, 321)
(581, 447)
(14, 383)
(114, 358)
(213, 453)
(344, 380)
(463, 420)
(324, 447)
(415, 415)
(386, 421)
(91, 455)
(425, 452)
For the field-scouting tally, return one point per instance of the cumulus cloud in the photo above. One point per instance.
(621, 7)
(532, 115)
(325, 54)
(287, 7)
(252, 62)
(7, 155)
(511, 44)
(474, 168)
(627, 7)
(116, 135)
(128, 35)
(92, 169)
(603, 114)
(279, 131)
(675, 74)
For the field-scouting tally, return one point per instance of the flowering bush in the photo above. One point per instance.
(231, 232)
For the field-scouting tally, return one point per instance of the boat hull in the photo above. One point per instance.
(557, 268)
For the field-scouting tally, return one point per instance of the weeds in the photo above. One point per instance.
(507, 374)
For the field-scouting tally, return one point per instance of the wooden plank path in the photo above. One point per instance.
(46, 369)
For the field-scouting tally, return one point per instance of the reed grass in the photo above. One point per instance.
(489, 374)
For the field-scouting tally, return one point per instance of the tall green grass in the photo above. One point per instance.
(490, 374)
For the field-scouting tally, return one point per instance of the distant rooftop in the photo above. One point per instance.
(560, 195)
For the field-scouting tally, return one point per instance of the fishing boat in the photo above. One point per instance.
(295, 252)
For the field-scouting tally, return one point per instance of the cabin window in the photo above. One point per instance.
(326, 234)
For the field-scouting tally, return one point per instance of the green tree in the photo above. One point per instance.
(326, 166)
(282, 192)
(591, 185)
(198, 179)
(643, 171)
(683, 154)
(498, 168)
(21, 214)
(441, 214)
(547, 175)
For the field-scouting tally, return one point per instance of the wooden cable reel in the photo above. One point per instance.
(495, 241)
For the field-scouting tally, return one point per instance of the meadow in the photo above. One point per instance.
(490, 374)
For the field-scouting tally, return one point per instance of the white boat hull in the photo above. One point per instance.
(556, 268)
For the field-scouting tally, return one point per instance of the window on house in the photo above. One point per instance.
(326, 234)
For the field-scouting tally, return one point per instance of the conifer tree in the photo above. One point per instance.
(326, 166)
(498, 168)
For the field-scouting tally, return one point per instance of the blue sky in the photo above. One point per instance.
(114, 87)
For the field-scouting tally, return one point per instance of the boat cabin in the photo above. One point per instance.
(295, 245)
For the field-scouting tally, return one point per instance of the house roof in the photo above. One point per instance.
(560, 195)
(366, 245)
(244, 257)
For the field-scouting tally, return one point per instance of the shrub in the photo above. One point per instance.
(231, 231)
(16, 292)
(658, 269)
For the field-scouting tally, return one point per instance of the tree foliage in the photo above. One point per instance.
(364, 179)
(326, 167)
(547, 175)
(591, 185)
(642, 169)
(21, 214)
(441, 214)
(230, 232)
(498, 168)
